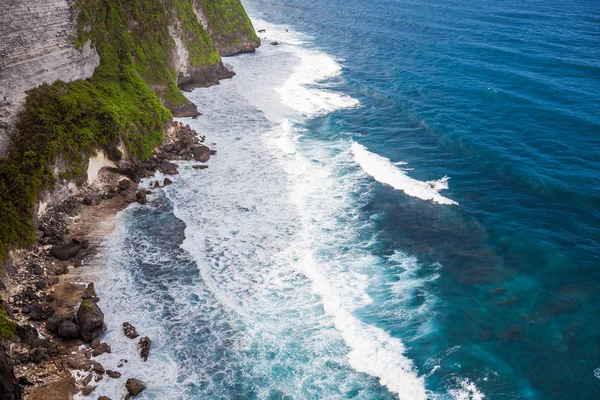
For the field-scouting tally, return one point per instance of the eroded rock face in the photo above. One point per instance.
(36, 47)
(9, 387)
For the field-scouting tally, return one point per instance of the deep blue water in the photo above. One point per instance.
(302, 265)
(504, 98)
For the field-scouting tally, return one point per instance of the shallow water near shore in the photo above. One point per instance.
(387, 216)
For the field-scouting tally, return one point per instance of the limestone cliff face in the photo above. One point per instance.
(36, 47)
(191, 76)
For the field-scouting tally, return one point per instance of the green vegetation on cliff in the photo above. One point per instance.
(228, 21)
(7, 327)
(63, 124)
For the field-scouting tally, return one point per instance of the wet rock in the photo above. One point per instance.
(275, 43)
(90, 320)
(167, 181)
(113, 374)
(87, 390)
(124, 184)
(68, 330)
(41, 285)
(101, 349)
(104, 398)
(145, 343)
(134, 386)
(262, 30)
(65, 251)
(96, 367)
(141, 197)
(201, 153)
(169, 168)
(90, 293)
(200, 166)
(130, 330)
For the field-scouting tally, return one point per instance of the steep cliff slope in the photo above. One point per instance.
(228, 25)
(143, 52)
(36, 47)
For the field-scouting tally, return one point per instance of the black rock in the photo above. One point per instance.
(90, 320)
(41, 285)
(200, 166)
(53, 323)
(68, 330)
(65, 251)
(274, 43)
(201, 153)
(87, 201)
(27, 333)
(36, 312)
(38, 355)
(9, 386)
(167, 181)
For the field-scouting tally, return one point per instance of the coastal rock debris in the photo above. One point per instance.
(130, 330)
(145, 343)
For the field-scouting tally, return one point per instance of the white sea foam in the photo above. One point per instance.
(384, 171)
(466, 391)
(274, 229)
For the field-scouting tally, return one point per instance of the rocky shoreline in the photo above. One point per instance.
(54, 324)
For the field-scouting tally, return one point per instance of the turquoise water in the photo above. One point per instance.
(405, 204)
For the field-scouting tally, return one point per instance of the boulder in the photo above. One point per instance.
(130, 330)
(90, 293)
(87, 390)
(41, 285)
(201, 153)
(168, 168)
(53, 323)
(90, 320)
(134, 386)
(167, 181)
(27, 333)
(104, 398)
(36, 312)
(101, 349)
(124, 184)
(275, 43)
(113, 374)
(65, 251)
(68, 330)
(145, 343)
(200, 166)
(141, 197)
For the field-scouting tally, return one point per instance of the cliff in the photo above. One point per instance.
(81, 76)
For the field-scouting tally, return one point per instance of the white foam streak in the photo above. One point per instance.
(467, 391)
(384, 171)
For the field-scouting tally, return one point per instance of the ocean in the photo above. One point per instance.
(404, 204)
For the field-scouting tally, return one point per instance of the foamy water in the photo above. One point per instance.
(248, 276)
